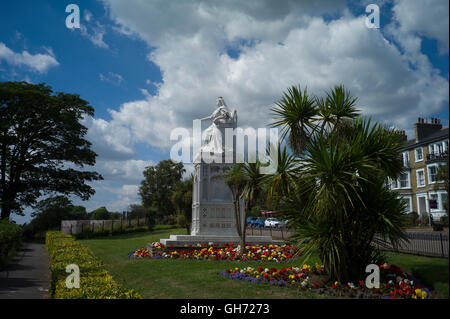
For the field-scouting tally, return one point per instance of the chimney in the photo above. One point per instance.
(423, 129)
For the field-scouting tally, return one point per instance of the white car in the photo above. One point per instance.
(271, 222)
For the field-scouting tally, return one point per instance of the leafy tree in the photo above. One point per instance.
(157, 187)
(182, 200)
(336, 199)
(51, 211)
(100, 213)
(41, 143)
(136, 211)
(442, 175)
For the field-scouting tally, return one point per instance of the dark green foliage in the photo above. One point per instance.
(42, 141)
(157, 187)
(334, 193)
(182, 200)
(49, 213)
(100, 213)
(10, 240)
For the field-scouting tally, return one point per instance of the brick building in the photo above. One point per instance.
(421, 157)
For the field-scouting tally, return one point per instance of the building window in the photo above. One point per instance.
(404, 180)
(432, 170)
(443, 199)
(394, 184)
(420, 178)
(408, 203)
(405, 156)
(434, 201)
(419, 154)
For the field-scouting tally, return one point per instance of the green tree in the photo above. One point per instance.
(442, 175)
(49, 213)
(338, 201)
(182, 200)
(136, 211)
(100, 213)
(157, 187)
(42, 141)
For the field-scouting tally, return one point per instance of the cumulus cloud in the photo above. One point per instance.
(278, 46)
(428, 18)
(38, 62)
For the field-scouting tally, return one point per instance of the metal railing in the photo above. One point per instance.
(437, 157)
(433, 244)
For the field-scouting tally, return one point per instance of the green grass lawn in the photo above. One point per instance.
(202, 279)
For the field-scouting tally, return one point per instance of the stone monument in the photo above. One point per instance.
(213, 218)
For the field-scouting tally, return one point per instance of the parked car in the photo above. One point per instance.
(251, 220)
(259, 222)
(271, 222)
(283, 223)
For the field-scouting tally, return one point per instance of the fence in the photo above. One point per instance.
(419, 243)
(426, 244)
(75, 227)
(279, 232)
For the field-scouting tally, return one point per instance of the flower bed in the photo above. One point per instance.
(275, 253)
(394, 283)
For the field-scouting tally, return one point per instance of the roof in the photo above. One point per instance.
(434, 137)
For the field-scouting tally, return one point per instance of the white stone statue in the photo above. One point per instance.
(213, 135)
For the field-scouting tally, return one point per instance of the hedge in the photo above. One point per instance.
(95, 281)
(10, 240)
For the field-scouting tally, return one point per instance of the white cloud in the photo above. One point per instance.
(279, 47)
(37, 62)
(111, 77)
(425, 17)
(93, 30)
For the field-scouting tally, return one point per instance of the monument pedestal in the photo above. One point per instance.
(213, 217)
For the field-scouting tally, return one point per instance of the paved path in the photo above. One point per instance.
(27, 276)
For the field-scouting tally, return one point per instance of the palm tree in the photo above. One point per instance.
(341, 201)
(334, 194)
(302, 116)
(253, 187)
(236, 179)
(281, 183)
(295, 113)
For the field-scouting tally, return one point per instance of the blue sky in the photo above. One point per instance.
(148, 67)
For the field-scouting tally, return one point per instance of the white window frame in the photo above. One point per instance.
(391, 180)
(409, 181)
(440, 203)
(415, 154)
(424, 178)
(428, 172)
(409, 198)
(405, 158)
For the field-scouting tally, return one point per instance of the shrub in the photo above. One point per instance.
(95, 281)
(10, 240)
(411, 219)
